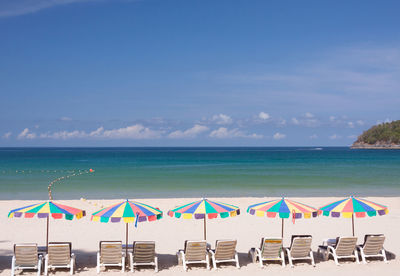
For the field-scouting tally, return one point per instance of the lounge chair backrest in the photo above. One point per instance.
(59, 253)
(195, 250)
(271, 248)
(373, 244)
(225, 249)
(26, 254)
(346, 246)
(300, 247)
(110, 252)
(144, 251)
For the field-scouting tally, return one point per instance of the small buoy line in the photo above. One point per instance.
(80, 172)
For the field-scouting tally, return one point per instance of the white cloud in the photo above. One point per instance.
(222, 119)
(332, 118)
(65, 119)
(350, 124)
(264, 116)
(307, 120)
(279, 136)
(352, 136)
(7, 135)
(314, 136)
(334, 137)
(189, 133)
(223, 132)
(360, 122)
(64, 135)
(137, 131)
(309, 115)
(25, 134)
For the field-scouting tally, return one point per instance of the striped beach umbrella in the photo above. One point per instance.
(284, 208)
(353, 206)
(128, 212)
(45, 210)
(203, 209)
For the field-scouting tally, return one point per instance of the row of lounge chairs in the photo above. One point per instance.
(111, 253)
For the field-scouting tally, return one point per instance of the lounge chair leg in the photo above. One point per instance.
(98, 263)
(335, 258)
(46, 265)
(384, 256)
(283, 258)
(260, 259)
(312, 258)
(289, 258)
(72, 264)
(208, 261)
(356, 255)
(214, 262)
(13, 266)
(39, 267)
(237, 260)
(183, 261)
(131, 261)
(156, 264)
(123, 264)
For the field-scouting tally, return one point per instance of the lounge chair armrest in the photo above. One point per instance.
(258, 250)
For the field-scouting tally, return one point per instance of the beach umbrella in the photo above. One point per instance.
(128, 212)
(351, 206)
(45, 210)
(283, 207)
(203, 209)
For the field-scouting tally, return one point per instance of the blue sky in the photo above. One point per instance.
(196, 73)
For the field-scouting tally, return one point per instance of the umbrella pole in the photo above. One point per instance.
(47, 234)
(352, 222)
(205, 228)
(283, 222)
(126, 243)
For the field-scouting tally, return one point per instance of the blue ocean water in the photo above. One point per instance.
(198, 172)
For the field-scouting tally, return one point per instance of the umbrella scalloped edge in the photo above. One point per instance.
(350, 214)
(202, 216)
(45, 215)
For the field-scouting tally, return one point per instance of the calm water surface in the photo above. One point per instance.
(196, 172)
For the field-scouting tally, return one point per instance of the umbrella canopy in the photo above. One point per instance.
(45, 210)
(199, 209)
(284, 208)
(203, 209)
(351, 206)
(128, 212)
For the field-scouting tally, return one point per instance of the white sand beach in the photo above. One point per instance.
(170, 234)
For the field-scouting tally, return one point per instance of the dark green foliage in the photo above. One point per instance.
(382, 133)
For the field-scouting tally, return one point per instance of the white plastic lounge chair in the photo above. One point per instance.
(224, 252)
(144, 253)
(372, 247)
(300, 249)
(270, 250)
(26, 257)
(59, 255)
(345, 248)
(195, 252)
(110, 254)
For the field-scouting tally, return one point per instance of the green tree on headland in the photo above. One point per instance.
(382, 133)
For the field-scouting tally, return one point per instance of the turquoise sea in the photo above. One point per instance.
(198, 172)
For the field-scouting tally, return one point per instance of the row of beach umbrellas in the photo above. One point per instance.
(134, 212)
